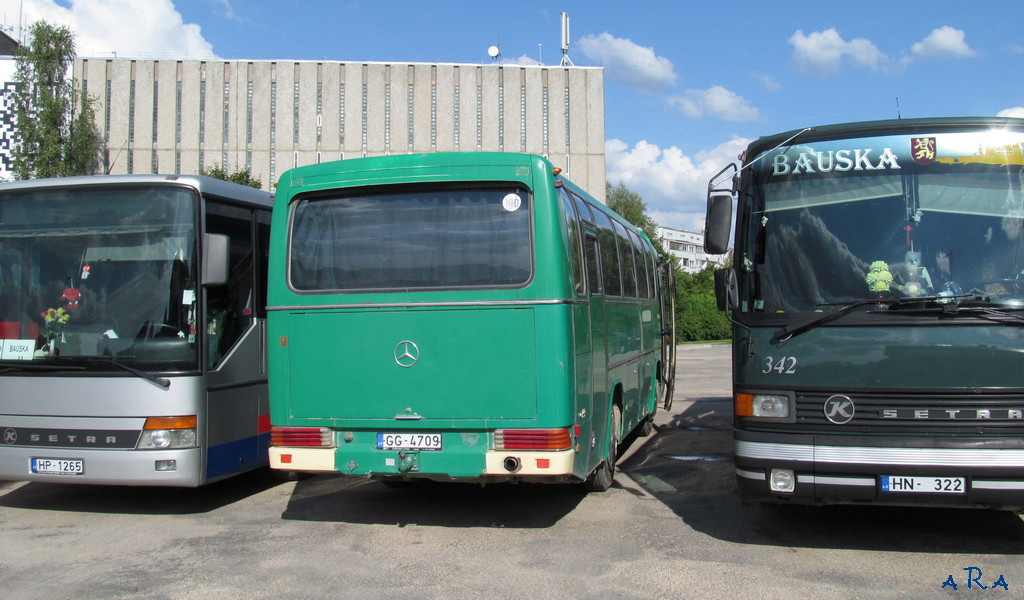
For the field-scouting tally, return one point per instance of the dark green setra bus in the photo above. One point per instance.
(459, 316)
(877, 296)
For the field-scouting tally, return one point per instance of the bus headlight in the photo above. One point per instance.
(161, 433)
(770, 406)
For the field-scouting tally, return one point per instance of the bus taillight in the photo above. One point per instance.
(308, 437)
(532, 439)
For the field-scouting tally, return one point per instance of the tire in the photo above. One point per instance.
(603, 476)
(646, 426)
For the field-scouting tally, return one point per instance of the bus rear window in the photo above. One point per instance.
(418, 239)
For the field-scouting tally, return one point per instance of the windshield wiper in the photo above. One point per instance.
(29, 366)
(789, 331)
(161, 381)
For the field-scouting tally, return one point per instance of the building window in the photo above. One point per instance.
(341, 115)
(364, 115)
(545, 116)
(248, 112)
(295, 114)
(457, 100)
(156, 98)
(227, 104)
(501, 117)
(177, 115)
(273, 116)
(411, 104)
(202, 116)
(131, 113)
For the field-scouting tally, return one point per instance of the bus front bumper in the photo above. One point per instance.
(175, 468)
(893, 470)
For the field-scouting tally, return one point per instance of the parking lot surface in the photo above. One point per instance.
(671, 527)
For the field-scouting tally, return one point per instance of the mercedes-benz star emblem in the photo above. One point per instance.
(406, 354)
(839, 409)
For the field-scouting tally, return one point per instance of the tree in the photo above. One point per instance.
(697, 314)
(51, 139)
(242, 176)
(632, 207)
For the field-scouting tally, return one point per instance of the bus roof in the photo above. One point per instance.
(866, 128)
(404, 168)
(203, 184)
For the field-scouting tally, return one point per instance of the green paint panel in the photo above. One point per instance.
(473, 363)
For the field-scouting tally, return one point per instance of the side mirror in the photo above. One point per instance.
(718, 223)
(216, 259)
(726, 290)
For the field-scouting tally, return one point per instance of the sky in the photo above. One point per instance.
(688, 84)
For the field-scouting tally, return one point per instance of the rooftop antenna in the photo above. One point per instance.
(494, 52)
(898, 108)
(566, 61)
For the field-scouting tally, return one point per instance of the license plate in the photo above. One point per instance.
(58, 466)
(409, 441)
(924, 485)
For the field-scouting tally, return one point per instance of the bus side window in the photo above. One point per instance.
(642, 281)
(609, 255)
(572, 232)
(592, 252)
(628, 262)
(263, 251)
(229, 308)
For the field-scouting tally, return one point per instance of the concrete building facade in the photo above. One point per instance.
(183, 116)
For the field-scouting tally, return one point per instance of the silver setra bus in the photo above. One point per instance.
(132, 323)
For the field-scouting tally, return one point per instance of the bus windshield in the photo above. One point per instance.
(99, 272)
(412, 238)
(893, 217)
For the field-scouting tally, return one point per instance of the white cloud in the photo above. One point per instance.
(767, 81)
(1016, 111)
(673, 185)
(823, 53)
(106, 27)
(944, 42)
(715, 101)
(627, 63)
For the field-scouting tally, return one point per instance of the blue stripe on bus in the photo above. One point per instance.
(239, 455)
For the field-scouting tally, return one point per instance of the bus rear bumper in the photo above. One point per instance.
(302, 459)
(830, 471)
(492, 465)
(174, 468)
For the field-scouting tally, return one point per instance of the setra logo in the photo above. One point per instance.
(10, 436)
(407, 354)
(839, 409)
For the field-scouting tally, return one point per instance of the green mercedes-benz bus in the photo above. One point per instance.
(459, 316)
(877, 295)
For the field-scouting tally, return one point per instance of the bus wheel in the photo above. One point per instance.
(602, 477)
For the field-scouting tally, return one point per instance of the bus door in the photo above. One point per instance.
(667, 377)
(598, 336)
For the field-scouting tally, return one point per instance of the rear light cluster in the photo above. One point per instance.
(532, 439)
(308, 437)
